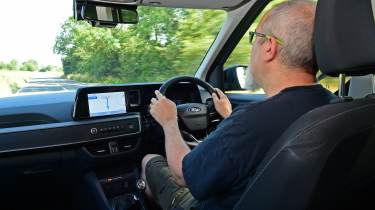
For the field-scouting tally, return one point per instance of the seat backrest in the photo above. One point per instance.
(321, 158)
(325, 160)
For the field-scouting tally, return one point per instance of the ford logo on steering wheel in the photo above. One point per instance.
(195, 109)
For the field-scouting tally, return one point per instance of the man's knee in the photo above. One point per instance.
(146, 159)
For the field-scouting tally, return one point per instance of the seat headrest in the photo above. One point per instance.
(345, 37)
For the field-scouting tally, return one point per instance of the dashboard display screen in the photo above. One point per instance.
(103, 104)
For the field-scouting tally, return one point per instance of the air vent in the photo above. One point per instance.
(134, 98)
(99, 149)
(126, 145)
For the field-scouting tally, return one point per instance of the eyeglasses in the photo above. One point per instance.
(253, 34)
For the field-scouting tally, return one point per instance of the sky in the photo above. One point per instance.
(29, 29)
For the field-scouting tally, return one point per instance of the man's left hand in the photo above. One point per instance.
(163, 110)
(222, 103)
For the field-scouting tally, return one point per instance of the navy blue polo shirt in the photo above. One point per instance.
(218, 170)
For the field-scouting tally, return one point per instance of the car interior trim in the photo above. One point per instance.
(18, 130)
(373, 8)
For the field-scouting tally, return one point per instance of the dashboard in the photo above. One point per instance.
(70, 147)
(104, 120)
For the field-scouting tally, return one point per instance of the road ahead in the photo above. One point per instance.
(46, 82)
(25, 82)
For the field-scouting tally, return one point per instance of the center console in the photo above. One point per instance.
(113, 185)
(123, 188)
(118, 189)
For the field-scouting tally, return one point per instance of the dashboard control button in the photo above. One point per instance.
(94, 131)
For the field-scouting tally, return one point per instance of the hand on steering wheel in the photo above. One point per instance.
(163, 110)
(193, 117)
(222, 103)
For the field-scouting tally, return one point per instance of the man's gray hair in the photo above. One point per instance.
(293, 22)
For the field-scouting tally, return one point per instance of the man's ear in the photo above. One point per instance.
(270, 49)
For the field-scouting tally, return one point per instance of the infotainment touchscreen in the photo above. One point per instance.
(103, 104)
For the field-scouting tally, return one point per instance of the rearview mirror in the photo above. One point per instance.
(106, 15)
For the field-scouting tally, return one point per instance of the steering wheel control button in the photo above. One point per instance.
(94, 131)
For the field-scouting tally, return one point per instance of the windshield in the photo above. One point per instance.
(46, 50)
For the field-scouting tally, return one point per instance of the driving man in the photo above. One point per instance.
(215, 173)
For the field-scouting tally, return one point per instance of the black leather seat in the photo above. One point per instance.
(326, 159)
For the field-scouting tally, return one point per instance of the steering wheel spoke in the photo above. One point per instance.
(190, 139)
(194, 117)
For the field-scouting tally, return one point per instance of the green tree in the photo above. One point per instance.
(13, 65)
(30, 65)
(197, 32)
(137, 52)
(165, 43)
(3, 65)
(47, 68)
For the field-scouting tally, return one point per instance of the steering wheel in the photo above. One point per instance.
(194, 116)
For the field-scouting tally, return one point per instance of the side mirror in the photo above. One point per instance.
(105, 15)
(235, 77)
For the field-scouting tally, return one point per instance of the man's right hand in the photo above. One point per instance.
(222, 103)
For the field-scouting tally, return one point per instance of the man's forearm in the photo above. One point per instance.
(176, 149)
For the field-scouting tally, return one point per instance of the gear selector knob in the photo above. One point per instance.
(141, 184)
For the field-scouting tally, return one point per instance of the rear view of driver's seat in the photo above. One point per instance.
(326, 159)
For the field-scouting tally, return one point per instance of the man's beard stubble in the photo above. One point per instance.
(250, 83)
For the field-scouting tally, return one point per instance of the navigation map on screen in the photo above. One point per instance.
(103, 104)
